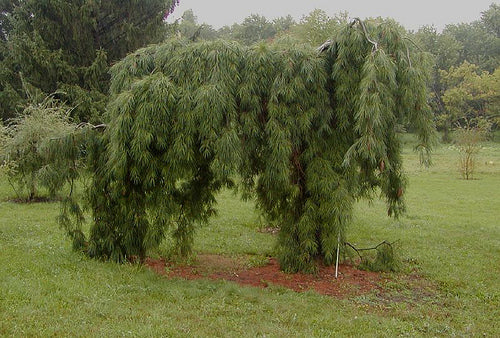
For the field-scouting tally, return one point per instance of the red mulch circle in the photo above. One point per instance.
(350, 282)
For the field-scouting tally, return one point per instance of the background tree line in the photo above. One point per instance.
(466, 75)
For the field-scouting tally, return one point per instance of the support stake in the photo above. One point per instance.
(337, 262)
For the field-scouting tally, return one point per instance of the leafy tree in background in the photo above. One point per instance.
(25, 147)
(189, 28)
(479, 46)
(479, 39)
(491, 19)
(316, 27)
(67, 46)
(471, 94)
(445, 50)
(283, 24)
(253, 29)
(470, 48)
(188, 24)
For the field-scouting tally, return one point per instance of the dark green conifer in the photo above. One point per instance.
(66, 46)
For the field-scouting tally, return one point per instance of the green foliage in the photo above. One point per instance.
(471, 94)
(71, 219)
(67, 46)
(256, 28)
(189, 28)
(443, 46)
(491, 19)
(283, 24)
(448, 283)
(307, 132)
(462, 48)
(479, 46)
(316, 27)
(386, 259)
(75, 152)
(445, 50)
(26, 148)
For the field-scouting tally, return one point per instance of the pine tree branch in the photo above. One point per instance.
(82, 125)
(408, 56)
(91, 126)
(362, 24)
(13, 187)
(414, 43)
(327, 44)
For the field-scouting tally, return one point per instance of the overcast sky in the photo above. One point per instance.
(412, 14)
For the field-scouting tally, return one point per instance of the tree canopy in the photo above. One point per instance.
(471, 94)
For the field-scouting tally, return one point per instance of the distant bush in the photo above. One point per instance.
(468, 139)
(25, 148)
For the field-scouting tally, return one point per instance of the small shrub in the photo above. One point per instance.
(25, 147)
(468, 139)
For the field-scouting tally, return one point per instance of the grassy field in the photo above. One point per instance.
(450, 236)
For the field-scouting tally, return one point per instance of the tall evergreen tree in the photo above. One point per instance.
(67, 46)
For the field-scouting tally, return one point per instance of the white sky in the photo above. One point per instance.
(412, 14)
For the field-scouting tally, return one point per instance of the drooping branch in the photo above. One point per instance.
(327, 44)
(408, 50)
(82, 125)
(408, 57)
(414, 43)
(358, 250)
(365, 32)
(101, 127)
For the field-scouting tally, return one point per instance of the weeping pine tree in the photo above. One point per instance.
(306, 131)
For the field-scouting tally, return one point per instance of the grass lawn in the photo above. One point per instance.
(450, 236)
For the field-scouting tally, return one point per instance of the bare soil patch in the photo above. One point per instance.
(350, 282)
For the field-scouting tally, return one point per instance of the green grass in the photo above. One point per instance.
(450, 236)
